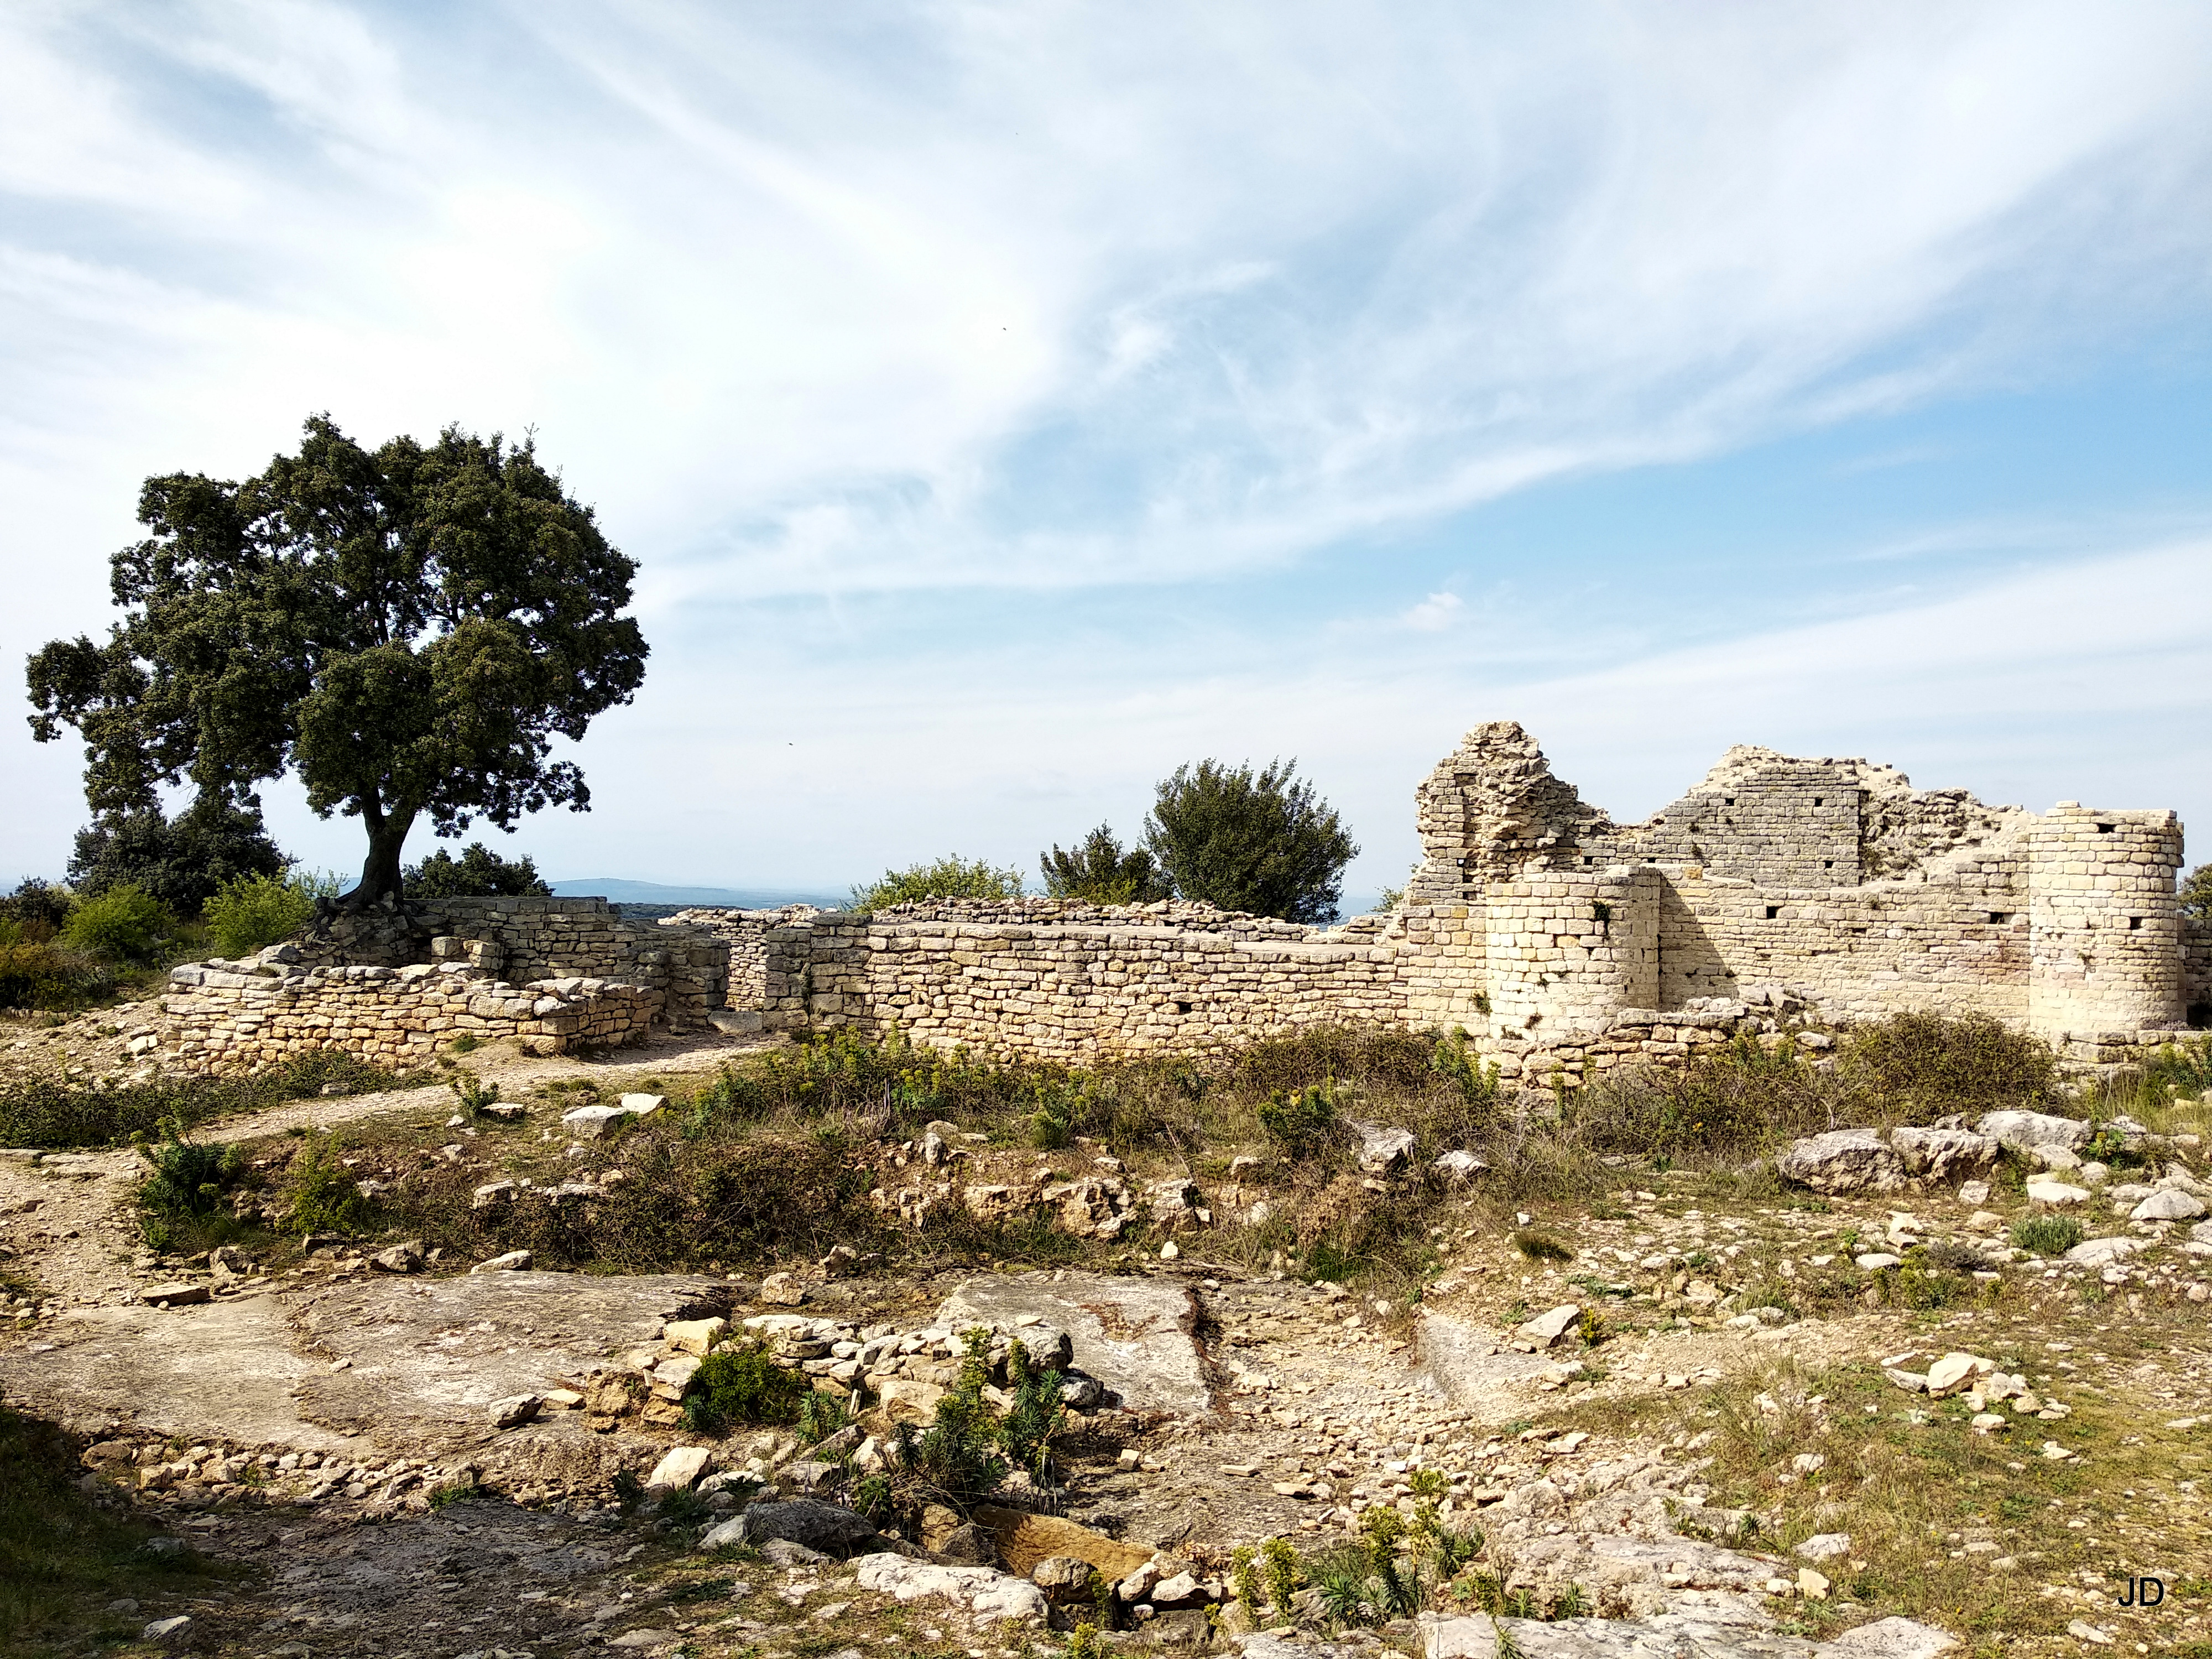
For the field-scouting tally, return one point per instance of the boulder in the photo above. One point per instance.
(2170, 1205)
(1547, 1329)
(1459, 1166)
(2057, 1195)
(1025, 1540)
(1826, 1546)
(1137, 1336)
(1842, 1161)
(514, 1411)
(597, 1122)
(694, 1336)
(173, 1296)
(829, 1527)
(406, 1258)
(514, 1261)
(1946, 1155)
(909, 1399)
(1065, 1579)
(1954, 1372)
(678, 1468)
(987, 1594)
(1384, 1149)
(782, 1290)
(2103, 1252)
(2029, 1132)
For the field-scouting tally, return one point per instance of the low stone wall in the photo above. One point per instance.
(743, 933)
(522, 940)
(230, 1020)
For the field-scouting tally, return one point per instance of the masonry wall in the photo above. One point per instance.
(231, 1021)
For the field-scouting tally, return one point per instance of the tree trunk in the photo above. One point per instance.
(388, 834)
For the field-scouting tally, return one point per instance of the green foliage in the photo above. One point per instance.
(1239, 840)
(189, 1177)
(1098, 870)
(958, 1452)
(473, 1094)
(46, 976)
(2196, 894)
(182, 861)
(1084, 1642)
(38, 908)
(821, 1415)
(1479, 1086)
(49, 1112)
(2046, 1235)
(1301, 1121)
(1035, 1415)
(947, 877)
(874, 1499)
(479, 873)
(1927, 1065)
(321, 1195)
(1280, 1568)
(406, 629)
(252, 912)
(740, 1382)
(1244, 1578)
(1538, 1247)
(126, 923)
(2185, 1067)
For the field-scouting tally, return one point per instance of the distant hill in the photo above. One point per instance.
(616, 891)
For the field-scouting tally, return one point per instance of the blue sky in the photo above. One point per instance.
(1006, 403)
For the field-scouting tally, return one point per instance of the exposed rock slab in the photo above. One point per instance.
(1842, 1161)
(1463, 1361)
(1670, 1637)
(1137, 1336)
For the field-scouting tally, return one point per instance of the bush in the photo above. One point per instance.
(126, 923)
(38, 909)
(1098, 871)
(45, 976)
(182, 861)
(2046, 1235)
(948, 878)
(189, 1177)
(1239, 840)
(740, 1382)
(254, 912)
(1303, 1121)
(479, 873)
(321, 1195)
(1926, 1066)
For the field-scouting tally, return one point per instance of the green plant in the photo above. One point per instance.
(126, 923)
(958, 1452)
(1262, 842)
(1279, 1566)
(252, 912)
(1301, 1121)
(739, 1382)
(1034, 1416)
(46, 976)
(1928, 1064)
(1084, 1642)
(628, 1490)
(479, 873)
(821, 1415)
(682, 1507)
(1098, 870)
(189, 1177)
(950, 877)
(321, 1193)
(1479, 1085)
(420, 670)
(872, 1496)
(2046, 1235)
(181, 861)
(465, 1043)
(473, 1094)
(1541, 1247)
(1426, 1483)
(1244, 1578)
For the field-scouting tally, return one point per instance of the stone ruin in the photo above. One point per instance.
(1563, 942)
(1779, 890)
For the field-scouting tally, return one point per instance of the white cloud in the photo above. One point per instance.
(1434, 614)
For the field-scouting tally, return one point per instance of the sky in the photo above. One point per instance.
(1007, 402)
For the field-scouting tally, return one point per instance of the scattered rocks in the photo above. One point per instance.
(985, 1592)
(406, 1258)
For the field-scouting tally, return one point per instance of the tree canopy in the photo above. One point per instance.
(406, 629)
(479, 873)
(182, 861)
(953, 876)
(1097, 869)
(1262, 842)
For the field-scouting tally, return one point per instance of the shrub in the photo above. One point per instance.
(740, 1382)
(39, 907)
(948, 878)
(2046, 1235)
(1724, 1104)
(1927, 1065)
(321, 1195)
(182, 861)
(189, 1177)
(126, 923)
(479, 873)
(1262, 842)
(254, 912)
(45, 976)
(48, 1112)
(1098, 870)
(1300, 1122)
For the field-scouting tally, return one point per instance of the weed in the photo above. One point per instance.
(1301, 1121)
(1538, 1247)
(2046, 1235)
(465, 1043)
(821, 1415)
(1278, 1565)
(321, 1195)
(473, 1094)
(48, 1112)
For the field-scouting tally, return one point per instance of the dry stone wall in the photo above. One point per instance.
(1562, 942)
(232, 1018)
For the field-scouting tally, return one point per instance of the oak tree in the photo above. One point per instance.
(1240, 840)
(406, 629)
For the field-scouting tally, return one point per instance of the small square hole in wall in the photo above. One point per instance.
(1729, 801)
(1183, 1007)
(1773, 911)
(1828, 864)
(2134, 923)
(2106, 829)
(1820, 800)
(2000, 918)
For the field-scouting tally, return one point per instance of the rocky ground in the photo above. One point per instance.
(1706, 1414)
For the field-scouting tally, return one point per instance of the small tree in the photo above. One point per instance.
(407, 630)
(1240, 840)
(948, 878)
(479, 873)
(1097, 871)
(182, 861)
(2197, 893)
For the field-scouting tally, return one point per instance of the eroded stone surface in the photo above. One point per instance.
(1137, 1336)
